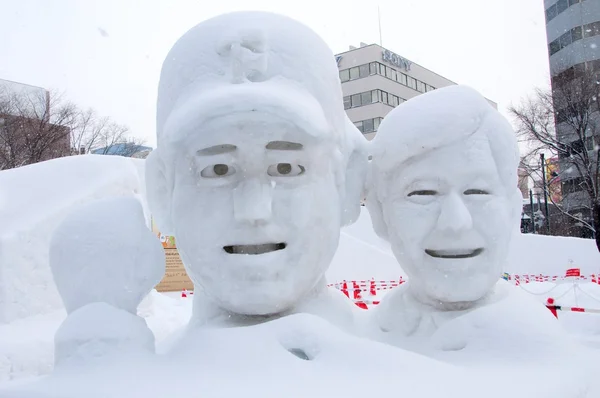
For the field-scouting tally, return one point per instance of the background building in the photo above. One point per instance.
(573, 35)
(375, 80)
(28, 132)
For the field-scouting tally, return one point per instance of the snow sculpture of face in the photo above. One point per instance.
(257, 165)
(444, 192)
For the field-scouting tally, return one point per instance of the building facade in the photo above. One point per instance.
(573, 33)
(27, 134)
(376, 80)
(573, 36)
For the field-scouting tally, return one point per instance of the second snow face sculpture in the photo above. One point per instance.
(256, 168)
(444, 193)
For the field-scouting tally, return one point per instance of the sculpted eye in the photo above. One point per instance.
(217, 170)
(476, 192)
(424, 192)
(285, 170)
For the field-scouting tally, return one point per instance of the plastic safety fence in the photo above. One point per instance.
(364, 292)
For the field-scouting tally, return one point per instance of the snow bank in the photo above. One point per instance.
(33, 200)
(552, 255)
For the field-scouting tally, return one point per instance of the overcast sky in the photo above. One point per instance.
(107, 54)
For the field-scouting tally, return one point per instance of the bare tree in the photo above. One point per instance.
(39, 126)
(33, 128)
(100, 135)
(564, 122)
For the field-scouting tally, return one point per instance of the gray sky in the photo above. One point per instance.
(107, 54)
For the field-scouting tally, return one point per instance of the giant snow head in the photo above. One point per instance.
(257, 165)
(443, 192)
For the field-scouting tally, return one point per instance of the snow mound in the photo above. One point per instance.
(30, 215)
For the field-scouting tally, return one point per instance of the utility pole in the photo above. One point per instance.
(545, 192)
(379, 21)
(532, 214)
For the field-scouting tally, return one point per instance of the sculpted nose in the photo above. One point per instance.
(252, 200)
(454, 215)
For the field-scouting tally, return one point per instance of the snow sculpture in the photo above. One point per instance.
(443, 192)
(257, 167)
(104, 261)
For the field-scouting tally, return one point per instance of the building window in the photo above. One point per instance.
(373, 68)
(355, 100)
(576, 33)
(591, 29)
(347, 102)
(363, 70)
(551, 13)
(359, 126)
(345, 75)
(402, 79)
(377, 122)
(554, 47)
(368, 126)
(565, 39)
(561, 5)
(366, 98)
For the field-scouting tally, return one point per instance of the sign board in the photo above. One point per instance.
(176, 278)
(395, 59)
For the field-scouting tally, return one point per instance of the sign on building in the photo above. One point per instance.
(395, 59)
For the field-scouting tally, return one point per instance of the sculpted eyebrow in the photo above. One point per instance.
(284, 146)
(216, 150)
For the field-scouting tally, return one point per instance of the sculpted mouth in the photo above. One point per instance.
(454, 254)
(254, 249)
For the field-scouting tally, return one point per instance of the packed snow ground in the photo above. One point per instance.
(31, 313)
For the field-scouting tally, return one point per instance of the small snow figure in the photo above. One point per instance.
(104, 261)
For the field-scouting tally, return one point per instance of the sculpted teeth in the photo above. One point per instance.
(254, 249)
(453, 254)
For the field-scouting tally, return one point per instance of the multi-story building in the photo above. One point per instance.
(375, 80)
(573, 35)
(27, 134)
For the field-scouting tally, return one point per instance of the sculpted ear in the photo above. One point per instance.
(158, 190)
(356, 172)
(374, 206)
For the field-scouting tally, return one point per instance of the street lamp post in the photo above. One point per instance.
(532, 214)
(545, 192)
